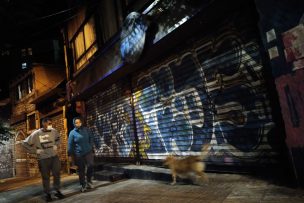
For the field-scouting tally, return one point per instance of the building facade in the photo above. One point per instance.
(154, 78)
(36, 94)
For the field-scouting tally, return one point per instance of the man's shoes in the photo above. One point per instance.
(59, 194)
(90, 185)
(48, 197)
(83, 188)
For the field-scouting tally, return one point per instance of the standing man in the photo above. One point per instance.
(80, 147)
(44, 142)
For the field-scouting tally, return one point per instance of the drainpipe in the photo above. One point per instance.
(65, 127)
(65, 49)
(294, 167)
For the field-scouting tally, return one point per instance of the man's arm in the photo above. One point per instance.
(57, 137)
(71, 144)
(29, 143)
(91, 137)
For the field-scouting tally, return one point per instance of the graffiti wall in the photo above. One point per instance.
(212, 92)
(109, 115)
(6, 159)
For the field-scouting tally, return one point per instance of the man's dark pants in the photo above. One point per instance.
(82, 162)
(46, 166)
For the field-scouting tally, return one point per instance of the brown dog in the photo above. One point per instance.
(183, 167)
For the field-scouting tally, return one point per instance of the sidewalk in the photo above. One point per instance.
(18, 182)
(222, 188)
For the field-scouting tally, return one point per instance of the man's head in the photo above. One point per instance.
(47, 123)
(77, 122)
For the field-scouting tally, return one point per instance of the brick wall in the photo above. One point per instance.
(58, 124)
(20, 153)
(22, 107)
(27, 164)
(32, 164)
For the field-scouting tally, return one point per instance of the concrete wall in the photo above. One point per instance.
(6, 157)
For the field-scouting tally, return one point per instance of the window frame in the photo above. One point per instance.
(72, 43)
(37, 123)
(99, 43)
(24, 91)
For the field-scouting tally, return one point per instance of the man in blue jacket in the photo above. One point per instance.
(80, 147)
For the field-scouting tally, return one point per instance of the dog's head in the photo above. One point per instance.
(169, 160)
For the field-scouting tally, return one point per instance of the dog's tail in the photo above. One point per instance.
(204, 151)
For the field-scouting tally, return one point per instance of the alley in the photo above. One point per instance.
(127, 93)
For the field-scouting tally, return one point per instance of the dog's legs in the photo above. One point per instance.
(202, 176)
(174, 179)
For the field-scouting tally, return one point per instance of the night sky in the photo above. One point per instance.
(22, 23)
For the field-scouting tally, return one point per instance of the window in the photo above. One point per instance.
(5, 53)
(31, 120)
(26, 52)
(112, 14)
(24, 65)
(30, 84)
(24, 88)
(84, 44)
(81, 30)
(23, 52)
(29, 51)
(19, 94)
(111, 18)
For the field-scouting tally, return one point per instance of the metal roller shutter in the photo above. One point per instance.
(212, 93)
(109, 116)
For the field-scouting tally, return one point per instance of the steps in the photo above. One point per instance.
(109, 171)
(107, 175)
(102, 173)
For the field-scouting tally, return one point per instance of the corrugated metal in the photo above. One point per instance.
(109, 115)
(213, 93)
